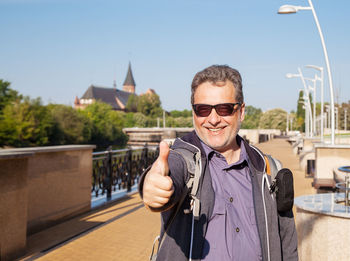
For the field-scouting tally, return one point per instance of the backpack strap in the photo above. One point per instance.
(193, 162)
(272, 166)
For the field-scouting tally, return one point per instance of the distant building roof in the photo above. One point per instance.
(107, 95)
(129, 80)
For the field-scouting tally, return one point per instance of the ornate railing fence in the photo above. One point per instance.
(119, 169)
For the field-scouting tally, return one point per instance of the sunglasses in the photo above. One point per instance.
(222, 109)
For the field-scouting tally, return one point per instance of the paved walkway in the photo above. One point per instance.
(125, 230)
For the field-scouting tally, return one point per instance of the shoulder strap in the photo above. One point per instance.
(272, 166)
(193, 162)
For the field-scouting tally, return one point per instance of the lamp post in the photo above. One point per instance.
(320, 69)
(313, 88)
(336, 119)
(329, 115)
(306, 121)
(300, 75)
(291, 9)
(345, 111)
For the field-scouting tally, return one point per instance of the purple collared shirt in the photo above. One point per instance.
(232, 233)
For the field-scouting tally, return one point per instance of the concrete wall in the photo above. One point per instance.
(40, 187)
(322, 237)
(329, 157)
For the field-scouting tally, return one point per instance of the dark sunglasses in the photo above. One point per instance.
(222, 109)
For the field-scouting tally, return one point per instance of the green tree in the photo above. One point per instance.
(273, 119)
(71, 126)
(300, 114)
(26, 123)
(251, 117)
(131, 105)
(183, 122)
(149, 105)
(7, 94)
(184, 113)
(106, 125)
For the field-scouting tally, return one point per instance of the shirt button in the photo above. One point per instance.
(237, 229)
(231, 199)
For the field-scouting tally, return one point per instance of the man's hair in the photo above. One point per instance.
(215, 74)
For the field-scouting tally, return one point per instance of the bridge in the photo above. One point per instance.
(124, 230)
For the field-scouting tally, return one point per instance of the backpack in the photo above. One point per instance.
(282, 184)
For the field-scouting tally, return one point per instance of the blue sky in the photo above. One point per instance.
(56, 49)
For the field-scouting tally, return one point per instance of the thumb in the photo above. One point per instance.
(164, 151)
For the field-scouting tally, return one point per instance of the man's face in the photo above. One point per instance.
(218, 132)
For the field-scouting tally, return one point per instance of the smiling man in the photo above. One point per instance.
(238, 217)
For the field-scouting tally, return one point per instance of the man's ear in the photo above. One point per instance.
(242, 110)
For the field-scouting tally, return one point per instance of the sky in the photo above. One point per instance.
(56, 49)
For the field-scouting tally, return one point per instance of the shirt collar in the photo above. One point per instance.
(209, 152)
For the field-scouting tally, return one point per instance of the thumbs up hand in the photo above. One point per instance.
(158, 186)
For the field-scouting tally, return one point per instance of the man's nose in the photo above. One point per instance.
(213, 117)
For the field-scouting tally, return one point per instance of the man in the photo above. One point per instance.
(238, 219)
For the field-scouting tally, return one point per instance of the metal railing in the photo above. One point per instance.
(119, 169)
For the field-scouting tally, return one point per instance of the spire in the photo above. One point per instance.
(129, 80)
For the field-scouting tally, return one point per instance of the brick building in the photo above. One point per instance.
(116, 98)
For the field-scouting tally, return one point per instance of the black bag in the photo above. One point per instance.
(283, 187)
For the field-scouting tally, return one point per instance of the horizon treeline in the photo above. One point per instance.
(26, 122)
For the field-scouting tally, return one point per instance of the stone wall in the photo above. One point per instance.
(40, 187)
(13, 207)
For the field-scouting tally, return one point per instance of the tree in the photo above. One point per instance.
(300, 114)
(131, 105)
(273, 119)
(7, 95)
(71, 126)
(251, 118)
(26, 123)
(185, 113)
(106, 125)
(149, 104)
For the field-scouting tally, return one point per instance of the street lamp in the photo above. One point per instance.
(313, 88)
(306, 97)
(291, 9)
(328, 109)
(306, 121)
(345, 111)
(321, 80)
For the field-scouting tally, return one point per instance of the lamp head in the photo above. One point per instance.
(287, 9)
(292, 75)
(314, 67)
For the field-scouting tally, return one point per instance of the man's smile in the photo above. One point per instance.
(216, 129)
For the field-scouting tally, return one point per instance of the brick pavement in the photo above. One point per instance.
(125, 230)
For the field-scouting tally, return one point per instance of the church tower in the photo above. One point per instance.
(129, 83)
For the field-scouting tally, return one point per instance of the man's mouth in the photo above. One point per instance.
(215, 129)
